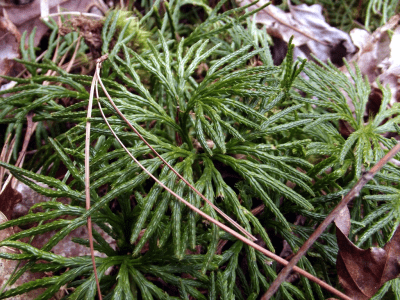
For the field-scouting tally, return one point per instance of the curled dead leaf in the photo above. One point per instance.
(311, 34)
(378, 57)
(9, 40)
(362, 272)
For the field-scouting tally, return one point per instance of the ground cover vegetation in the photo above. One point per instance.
(260, 141)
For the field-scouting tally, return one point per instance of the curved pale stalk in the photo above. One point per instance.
(87, 172)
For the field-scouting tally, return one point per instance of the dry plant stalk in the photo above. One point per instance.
(87, 173)
(6, 156)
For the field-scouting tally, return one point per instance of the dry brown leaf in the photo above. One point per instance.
(8, 199)
(363, 272)
(390, 68)
(9, 41)
(311, 34)
(5, 234)
(378, 56)
(373, 48)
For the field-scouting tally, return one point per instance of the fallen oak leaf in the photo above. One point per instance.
(362, 272)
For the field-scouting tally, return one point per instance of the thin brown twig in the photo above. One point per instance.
(7, 157)
(214, 221)
(259, 209)
(354, 192)
(3, 156)
(66, 53)
(30, 129)
(71, 62)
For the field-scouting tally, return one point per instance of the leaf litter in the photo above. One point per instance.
(363, 272)
(378, 56)
(311, 34)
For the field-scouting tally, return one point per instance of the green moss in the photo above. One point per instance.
(140, 40)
